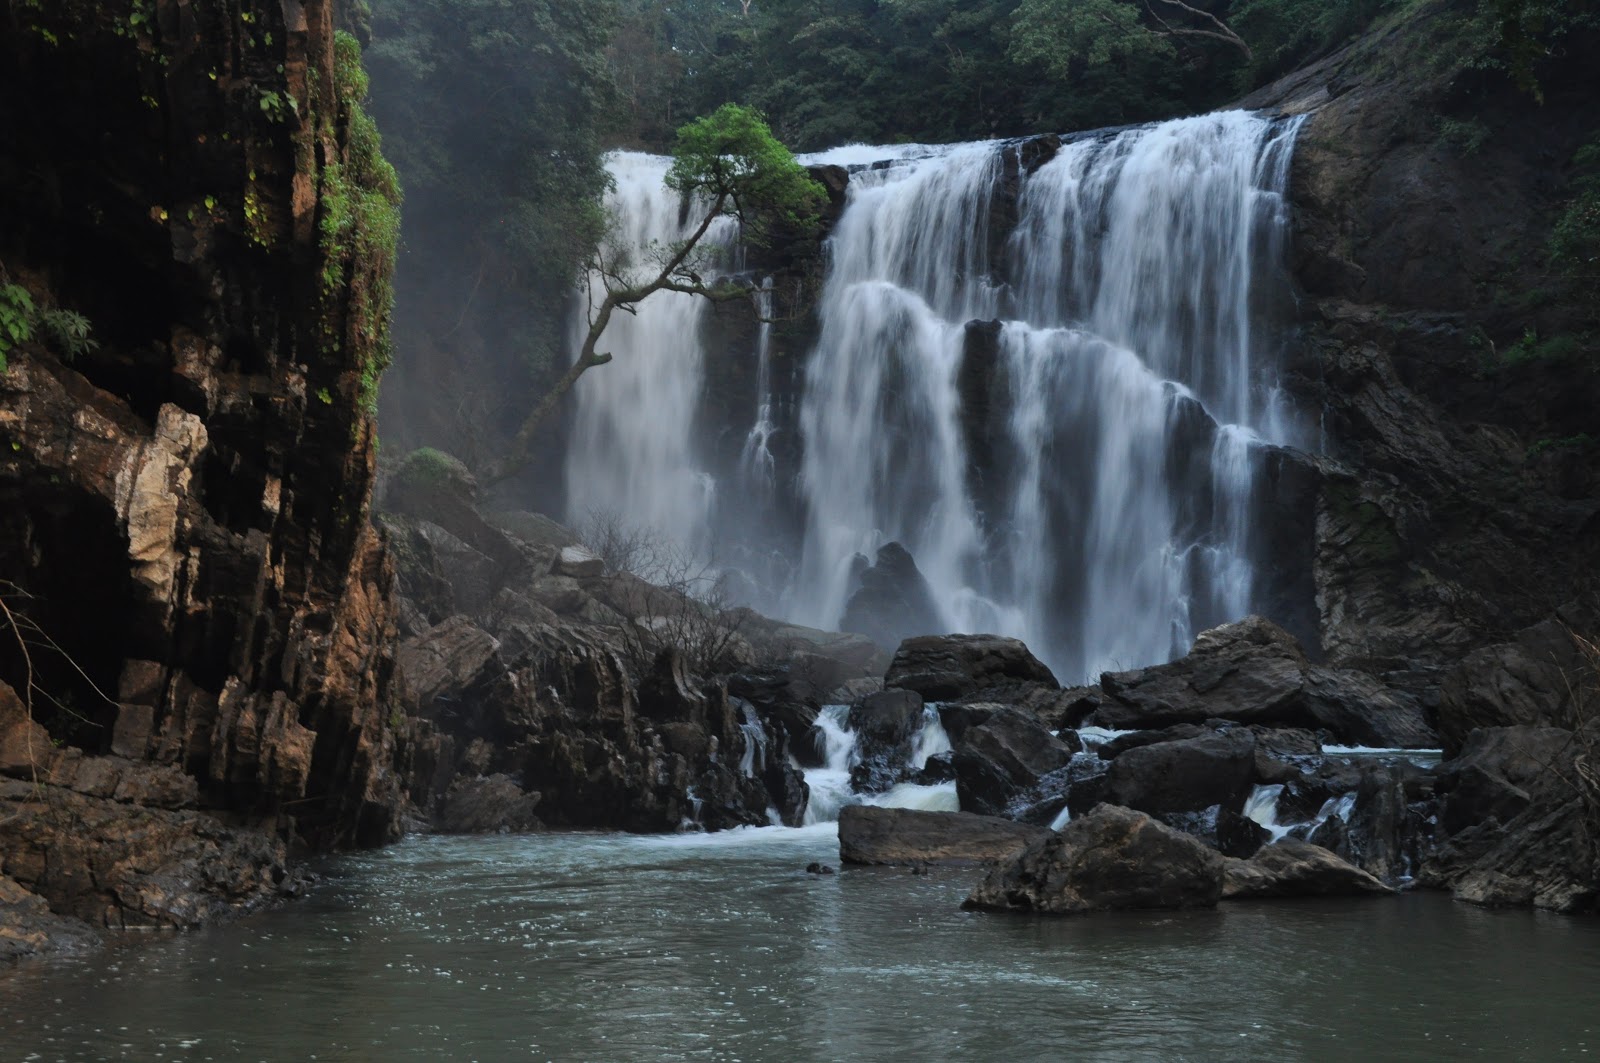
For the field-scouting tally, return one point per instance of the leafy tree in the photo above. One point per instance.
(1064, 33)
(730, 165)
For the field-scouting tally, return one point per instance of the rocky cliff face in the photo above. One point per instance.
(1457, 501)
(196, 594)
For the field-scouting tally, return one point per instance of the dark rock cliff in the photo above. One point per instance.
(200, 610)
(1457, 501)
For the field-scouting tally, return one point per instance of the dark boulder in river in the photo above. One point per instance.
(946, 667)
(1185, 776)
(1005, 756)
(1110, 859)
(869, 835)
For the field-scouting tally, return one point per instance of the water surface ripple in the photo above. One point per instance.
(720, 947)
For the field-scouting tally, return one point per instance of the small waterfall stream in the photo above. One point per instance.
(830, 784)
(1049, 385)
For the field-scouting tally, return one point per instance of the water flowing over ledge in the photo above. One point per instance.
(1054, 406)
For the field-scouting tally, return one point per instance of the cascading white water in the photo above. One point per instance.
(1116, 331)
(757, 466)
(630, 456)
(830, 784)
(1129, 338)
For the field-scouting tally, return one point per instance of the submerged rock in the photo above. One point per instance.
(1293, 868)
(1113, 858)
(869, 835)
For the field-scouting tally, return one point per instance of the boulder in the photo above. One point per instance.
(1254, 672)
(1186, 775)
(488, 805)
(893, 601)
(1543, 852)
(1293, 868)
(29, 928)
(1537, 678)
(1002, 758)
(1499, 772)
(885, 725)
(446, 659)
(578, 562)
(946, 667)
(1113, 858)
(869, 835)
(1224, 830)
(1361, 711)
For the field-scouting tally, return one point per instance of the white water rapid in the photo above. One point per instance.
(830, 784)
(1050, 386)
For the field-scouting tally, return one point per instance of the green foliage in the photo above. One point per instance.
(16, 319)
(731, 156)
(1530, 349)
(22, 320)
(826, 72)
(360, 221)
(433, 470)
(1575, 242)
(1465, 135)
(67, 331)
(1063, 34)
(1283, 34)
(1581, 441)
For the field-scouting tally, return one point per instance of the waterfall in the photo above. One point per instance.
(1126, 377)
(756, 462)
(830, 783)
(1049, 382)
(630, 455)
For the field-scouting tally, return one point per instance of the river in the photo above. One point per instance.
(722, 947)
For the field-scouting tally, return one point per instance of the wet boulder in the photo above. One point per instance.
(1113, 858)
(1499, 772)
(947, 667)
(1249, 671)
(1186, 775)
(1254, 672)
(869, 835)
(885, 725)
(1003, 757)
(486, 805)
(1226, 831)
(1538, 678)
(1293, 868)
(893, 601)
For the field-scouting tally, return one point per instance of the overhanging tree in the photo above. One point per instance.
(730, 165)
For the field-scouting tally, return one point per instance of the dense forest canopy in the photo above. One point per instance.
(496, 115)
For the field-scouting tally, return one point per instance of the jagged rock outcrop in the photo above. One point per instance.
(1253, 671)
(1454, 502)
(892, 601)
(183, 508)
